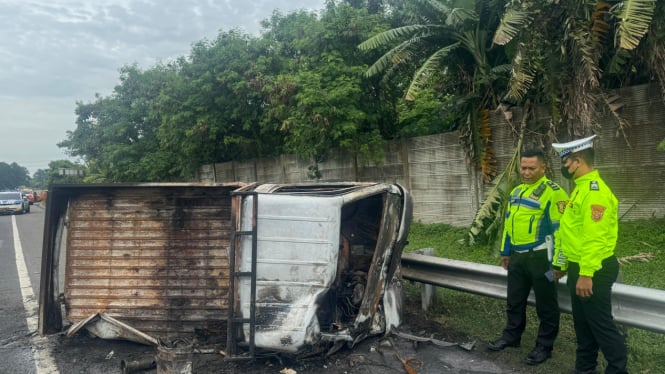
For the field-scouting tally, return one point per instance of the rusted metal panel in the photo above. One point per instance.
(152, 256)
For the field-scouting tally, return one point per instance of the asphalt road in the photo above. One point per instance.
(22, 350)
(15, 335)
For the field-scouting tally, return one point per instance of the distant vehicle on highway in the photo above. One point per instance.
(12, 202)
(33, 196)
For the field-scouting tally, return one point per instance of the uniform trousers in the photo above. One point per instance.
(594, 325)
(527, 271)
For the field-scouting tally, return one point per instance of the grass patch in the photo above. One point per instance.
(641, 244)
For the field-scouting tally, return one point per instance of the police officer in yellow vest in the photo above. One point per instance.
(585, 249)
(531, 222)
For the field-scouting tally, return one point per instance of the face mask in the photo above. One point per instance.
(565, 173)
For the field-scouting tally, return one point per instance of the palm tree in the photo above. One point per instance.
(447, 46)
(568, 53)
(565, 54)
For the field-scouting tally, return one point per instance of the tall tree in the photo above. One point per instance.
(40, 180)
(299, 87)
(215, 113)
(447, 47)
(578, 51)
(13, 176)
(566, 55)
(331, 104)
(117, 135)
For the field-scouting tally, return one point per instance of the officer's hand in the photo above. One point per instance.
(584, 286)
(505, 260)
(558, 274)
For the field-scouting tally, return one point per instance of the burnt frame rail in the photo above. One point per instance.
(235, 322)
(633, 306)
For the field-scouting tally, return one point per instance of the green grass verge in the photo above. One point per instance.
(641, 245)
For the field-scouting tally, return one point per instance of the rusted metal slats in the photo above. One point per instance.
(151, 259)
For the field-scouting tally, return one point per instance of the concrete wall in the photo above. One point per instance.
(446, 189)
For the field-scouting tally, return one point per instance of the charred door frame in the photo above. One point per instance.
(50, 315)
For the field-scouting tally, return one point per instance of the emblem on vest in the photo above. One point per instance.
(597, 212)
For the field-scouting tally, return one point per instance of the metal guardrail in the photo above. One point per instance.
(639, 307)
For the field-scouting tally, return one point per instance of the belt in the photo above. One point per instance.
(534, 249)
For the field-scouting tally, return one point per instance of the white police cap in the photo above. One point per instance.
(565, 149)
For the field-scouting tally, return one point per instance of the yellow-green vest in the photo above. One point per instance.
(533, 214)
(589, 226)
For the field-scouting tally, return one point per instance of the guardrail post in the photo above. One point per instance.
(427, 291)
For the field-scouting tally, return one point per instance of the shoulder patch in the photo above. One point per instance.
(553, 185)
(597, 212)
(593, 186)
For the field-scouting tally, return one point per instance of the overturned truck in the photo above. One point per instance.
(292, 268)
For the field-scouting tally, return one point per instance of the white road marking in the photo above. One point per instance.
(41, 351)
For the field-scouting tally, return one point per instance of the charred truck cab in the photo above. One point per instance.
(291, 268)
(322, 263)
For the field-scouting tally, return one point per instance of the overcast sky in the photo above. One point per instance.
(56, 52)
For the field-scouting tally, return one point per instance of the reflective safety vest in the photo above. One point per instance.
(533, 215)
(589, 226)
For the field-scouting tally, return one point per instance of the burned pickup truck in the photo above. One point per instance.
(291, 268)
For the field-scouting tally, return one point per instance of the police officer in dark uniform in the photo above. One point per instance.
(530, 225)
(585, 249)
